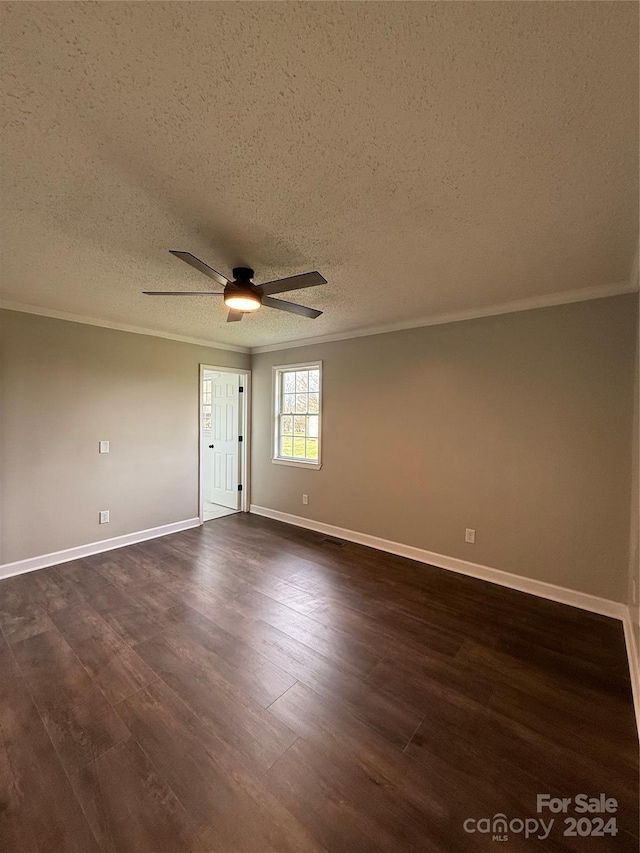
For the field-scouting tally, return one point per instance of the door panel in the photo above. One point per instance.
(221, 463)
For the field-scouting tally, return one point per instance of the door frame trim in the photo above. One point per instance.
(245, 425)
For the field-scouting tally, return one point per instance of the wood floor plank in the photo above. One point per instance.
(114, 666)
(608, 743)
(387, 715)
(173, 571)
(506, 762)
(17, 626)
(569, 687)
(611, 676)
(331, 819)
(286, 593)
(155, 597)
(345, 808)
(568, 631)
(80, 576)
(42, 589)
(339, 647)
(130, 620)
(418, 803)
(393, 635)
(273, 692)
(324, 724)
(41, 807)
(124, 567)
(415, 679)
(78, 718)
(416, 807)
(235, 661)
(16, 833)
(130, 808)
(202, 598)
(202, 567)
(234, 812)
(28, 599)
(197, 676)
(134, 611)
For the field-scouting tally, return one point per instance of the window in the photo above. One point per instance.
(206, 403)
(297, 390)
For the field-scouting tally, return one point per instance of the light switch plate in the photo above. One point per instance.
(104, 446)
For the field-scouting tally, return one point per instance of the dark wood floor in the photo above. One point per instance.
(246, 686)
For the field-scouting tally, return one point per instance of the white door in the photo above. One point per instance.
(220, 451)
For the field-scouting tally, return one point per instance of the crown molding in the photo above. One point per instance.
(120, 327)
(547, 301)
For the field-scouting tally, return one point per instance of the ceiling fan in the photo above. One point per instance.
(241, 295)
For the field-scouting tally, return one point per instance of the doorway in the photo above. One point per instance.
(223, 441)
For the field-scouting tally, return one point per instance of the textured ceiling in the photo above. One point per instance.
(427, 158)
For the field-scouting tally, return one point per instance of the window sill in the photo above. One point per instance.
(294, 463)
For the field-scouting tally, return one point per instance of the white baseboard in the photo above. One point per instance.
(454, 564)
(7, 570)
(634, 660)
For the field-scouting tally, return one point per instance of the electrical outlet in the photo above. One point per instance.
(103, 446)
(305, 499)
(104, 516)
(470, 536)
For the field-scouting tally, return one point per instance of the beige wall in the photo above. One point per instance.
(517, 425)
(65, 386)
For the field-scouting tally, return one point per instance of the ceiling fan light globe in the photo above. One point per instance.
(242, 302)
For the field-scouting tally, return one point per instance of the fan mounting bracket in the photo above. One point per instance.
(243, 273)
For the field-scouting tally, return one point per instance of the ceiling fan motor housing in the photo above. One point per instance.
(241, 287)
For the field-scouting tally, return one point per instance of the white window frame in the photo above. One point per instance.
(278, 369)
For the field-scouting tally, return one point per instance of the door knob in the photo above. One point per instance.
(211, 446)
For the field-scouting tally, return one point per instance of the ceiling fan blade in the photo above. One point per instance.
(234, 316)
(291, 307)
(190, 259)
(183, 293)
(294, 282)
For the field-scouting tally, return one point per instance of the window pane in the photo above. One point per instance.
(298, 414)
(206, 417)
